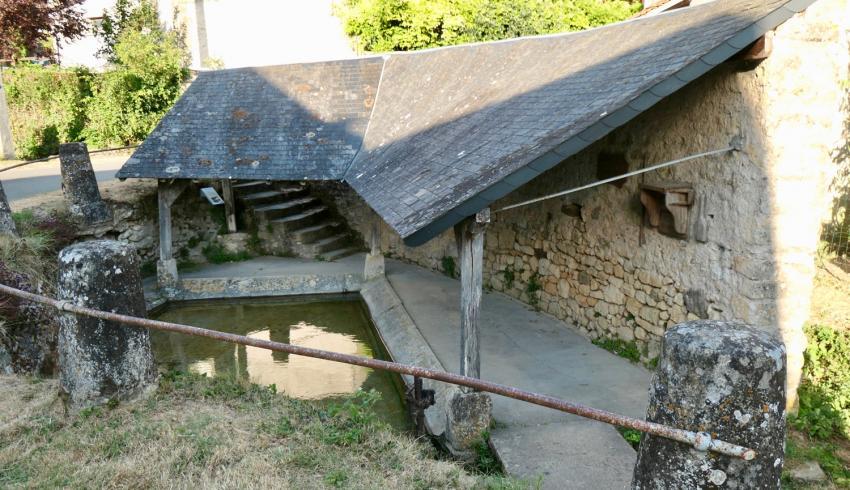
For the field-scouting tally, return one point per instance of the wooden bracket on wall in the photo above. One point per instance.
(756, 52)
(667, 206)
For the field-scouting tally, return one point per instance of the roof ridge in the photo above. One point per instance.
(368, 119)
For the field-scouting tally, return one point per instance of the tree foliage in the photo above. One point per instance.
(26, 25)
(50, 105)
(125, 16)
(403, 25)
(128, 101)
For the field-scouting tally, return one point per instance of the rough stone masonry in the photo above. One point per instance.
(99, 360)
(725, 379)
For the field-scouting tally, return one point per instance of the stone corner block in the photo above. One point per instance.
(468, 417)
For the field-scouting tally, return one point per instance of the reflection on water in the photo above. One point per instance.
(338, 326)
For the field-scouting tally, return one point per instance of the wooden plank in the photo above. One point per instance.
(470, 235)
(229, 205)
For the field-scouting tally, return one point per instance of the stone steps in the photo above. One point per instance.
(290, 211)
(253, 183)
(319, 247)
(339, 253)
(311, 233)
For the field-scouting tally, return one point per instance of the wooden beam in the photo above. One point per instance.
(229, 205)
(470, 236)
(167, 193)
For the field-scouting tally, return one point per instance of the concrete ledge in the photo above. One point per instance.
(294, 285)
(405, 344)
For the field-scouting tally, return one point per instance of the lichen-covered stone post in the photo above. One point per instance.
(7, 224)
(374, 267)
(100, 360)
(166, 266)
(80, 185)
(725, 379)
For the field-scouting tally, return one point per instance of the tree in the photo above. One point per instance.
(126, 15)
(403, 25)
(27, 25)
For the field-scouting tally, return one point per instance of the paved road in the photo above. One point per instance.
(39, 178)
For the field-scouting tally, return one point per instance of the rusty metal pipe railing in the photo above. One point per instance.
(699, 440)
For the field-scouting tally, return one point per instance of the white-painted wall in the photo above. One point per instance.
(238, 32)
(81, 52)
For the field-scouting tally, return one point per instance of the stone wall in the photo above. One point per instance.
(591, 259)
(135, 219)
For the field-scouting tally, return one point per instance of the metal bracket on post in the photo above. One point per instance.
(417, 401)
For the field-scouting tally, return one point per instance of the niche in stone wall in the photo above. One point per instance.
(667, 206)
(611, 164)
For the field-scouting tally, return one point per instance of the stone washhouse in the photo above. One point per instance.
(418, 153)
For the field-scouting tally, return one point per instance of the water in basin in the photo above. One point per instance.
(340, 324)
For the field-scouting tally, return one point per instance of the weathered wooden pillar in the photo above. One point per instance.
(7, 146)
(99, 360)
(374, 267)
(79, 184)
(470, 238)
(166, 267)
(229, 205)
(724, 379)
(7, 224)
(468, 415)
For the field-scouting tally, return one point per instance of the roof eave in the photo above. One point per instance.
(608, 123)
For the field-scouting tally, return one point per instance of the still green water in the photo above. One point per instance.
(338, 325)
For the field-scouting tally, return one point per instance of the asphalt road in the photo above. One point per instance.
(38, 178)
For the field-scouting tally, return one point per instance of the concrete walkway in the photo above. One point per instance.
(519, 347)
(536, 352)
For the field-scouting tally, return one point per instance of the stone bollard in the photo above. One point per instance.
(100, 360)
(7, 224)
(468, 417)
(80, 185)
(728, 380)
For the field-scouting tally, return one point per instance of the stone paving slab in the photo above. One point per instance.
(533, 351)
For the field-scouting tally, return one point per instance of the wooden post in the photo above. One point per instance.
(470, 236)
(229, 205)
(166, 267)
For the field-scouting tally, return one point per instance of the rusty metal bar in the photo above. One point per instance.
(699, 440)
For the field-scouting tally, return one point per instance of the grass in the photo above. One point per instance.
(216, 254)
(627, 350)
(833, 456)
(214, 432)
(449, 266)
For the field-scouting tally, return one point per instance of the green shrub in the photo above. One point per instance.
(128, 101)
(402, 25)
(216, 254)
(47, 106)
(825, 390)
(449, 266)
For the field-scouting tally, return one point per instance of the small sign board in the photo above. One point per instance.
(212, 196)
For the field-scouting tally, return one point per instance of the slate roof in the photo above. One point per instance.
(291, 122)
(452, 129)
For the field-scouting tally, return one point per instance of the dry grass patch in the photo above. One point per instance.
(213, 433)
